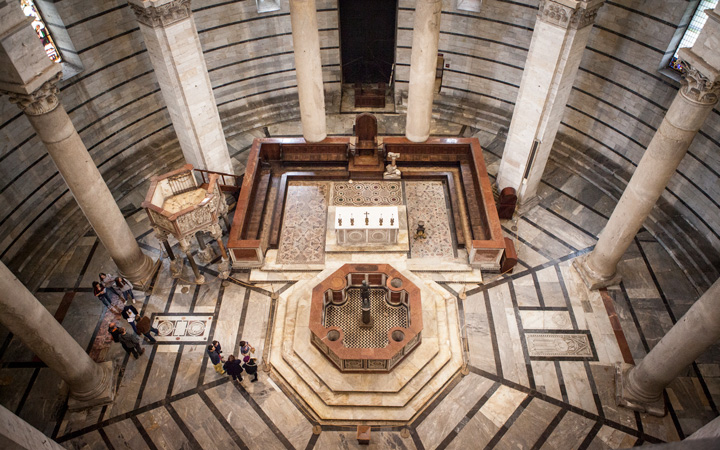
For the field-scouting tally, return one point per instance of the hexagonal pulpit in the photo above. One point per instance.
(366, 317)
(178, 205)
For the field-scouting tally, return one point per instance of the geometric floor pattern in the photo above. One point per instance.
(512, 398)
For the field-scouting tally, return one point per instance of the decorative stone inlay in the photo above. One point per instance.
(182, 328)
(163, 15)
(337, 332)
(42, 101)
(564, 16)
(558, 345)
(367, 193)
(698, 87)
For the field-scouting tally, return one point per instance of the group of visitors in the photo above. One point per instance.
(234, 366)
(115, 288)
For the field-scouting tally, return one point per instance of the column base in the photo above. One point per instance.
(624, 399)
(206, 255)
(224, 269)
(103, 395)
(526, 205)
(592, 280)
(176, 267)
(141, 275)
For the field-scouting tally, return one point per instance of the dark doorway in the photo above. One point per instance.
(367, 36)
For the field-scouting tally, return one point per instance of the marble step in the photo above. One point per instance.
(436, 329)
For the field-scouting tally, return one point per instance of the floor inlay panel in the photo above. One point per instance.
(302, 240)
(559, 345)
(182, 328)
(426, 202)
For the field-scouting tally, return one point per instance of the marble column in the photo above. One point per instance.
(561, 34)
(641, 387)
(308, 69)
(687, 113)
(90, 383)
(174, 47)
(423, 64)
(30, 79)
(16, 434)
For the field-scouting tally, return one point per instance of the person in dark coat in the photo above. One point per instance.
(130, 314)
(115, 332)
(144, 327)
(131, 343)
(234, 368)
(215, 358)
(251, 368)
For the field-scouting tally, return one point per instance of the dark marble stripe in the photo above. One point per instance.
(476, 75)
(486, 19)
(568, 303)
(480, 58)
(416, 439)
(95, 16)
(468, 416)
(493, 334)
(241, 323)
(628, 38)
(245, 41)
(194, 444)
(257, 58)
(265, 418)
(585, 205)
(636, 68)
(109, 89)
(220, 418)
(538, 291)
(548, 233)
(625, 88)
(509, 423)
(254, 77)
(590, 436)
(240, 22)
(146, 375)
(521, 331)
(673, 415)
(640, 13)
(468, 91)
(4, 124)
(105, 439)
(176, 367)
(243, 97)
(615, 107)
(110, 39)
(28, 388)
(549, 430)
(312, 441)
(141, 430)
(213, 324)
(593, 388)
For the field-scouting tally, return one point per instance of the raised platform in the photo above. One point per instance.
(332, 396)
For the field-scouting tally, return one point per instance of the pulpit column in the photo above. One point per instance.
(308, 69)
(561, 33)
(32, 85)
(687, 113)
(174, 48)
(423, 64)
(90, 383)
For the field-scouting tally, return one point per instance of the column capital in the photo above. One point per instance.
(569, 13)
(160, 13)
(697, 87)
(41, 101)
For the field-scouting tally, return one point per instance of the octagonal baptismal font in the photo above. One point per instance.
(366, 317)
(365, 343)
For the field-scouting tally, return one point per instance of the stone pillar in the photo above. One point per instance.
(308, 69)
(687, 113)
(31, 81)
(16, 434)
(423, 64)
(90, 383)
(641, 387)
(173, 44)
(561, 33)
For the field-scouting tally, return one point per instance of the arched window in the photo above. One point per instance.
(692, 32)
(38, 24)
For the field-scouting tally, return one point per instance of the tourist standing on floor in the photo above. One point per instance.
(251, 369)
(100, 292)
(109, 282)
(234, 368)
(130, 314)
(215, 358)
(126, 289)
(245, 350)
(131, 343)
(218, 348)
(144, 326)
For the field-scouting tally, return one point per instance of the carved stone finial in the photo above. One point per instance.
(43, 100)
(697, 87)
(163, 15)
(565, 16)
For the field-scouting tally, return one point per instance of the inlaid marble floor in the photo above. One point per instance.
(520, 392)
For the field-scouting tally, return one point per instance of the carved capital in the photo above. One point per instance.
(163, 15)
(41, 101)
(697, 87)
(565, 16)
